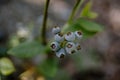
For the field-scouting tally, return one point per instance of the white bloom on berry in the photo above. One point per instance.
(70, 48)
(59, 37)
(70, 36)
(55, 46)
(56, 30)
(78, 35)
(61, 53)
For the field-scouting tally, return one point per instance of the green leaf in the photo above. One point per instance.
(88, 28)
(92, 15)
(86, 11)
(6, 66)
(27, 50)
(48, 68)
(89, 25)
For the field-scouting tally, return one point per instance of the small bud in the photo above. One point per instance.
(59, 37)
(56, 30)
(70, 36)
(78, 47)
(55, 46)
(61, 53)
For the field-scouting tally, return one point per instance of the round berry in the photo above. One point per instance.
(70, 48)
(56, 30)
(55, 46)
(70, 36)
(59, 37)
(78, 34)
(61, 53)
(78, 47)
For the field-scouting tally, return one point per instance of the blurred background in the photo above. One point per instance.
(100, 54)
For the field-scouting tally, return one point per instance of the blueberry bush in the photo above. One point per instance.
(39, 57)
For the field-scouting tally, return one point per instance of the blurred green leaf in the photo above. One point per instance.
(89, 25)
(86, 11)
(27, 49)
(88, 28)
(48, 67)
(92, 15)
(6, 66)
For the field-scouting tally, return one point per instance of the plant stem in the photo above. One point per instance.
(74, 10)
(44, 41)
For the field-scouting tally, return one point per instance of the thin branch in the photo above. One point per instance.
(44, 41)
(74, 10)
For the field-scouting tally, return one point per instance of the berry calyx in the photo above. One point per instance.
(59, 37)
(78, 35)
(61, 53)
(55, 46)
(70, 36)
(56, 30)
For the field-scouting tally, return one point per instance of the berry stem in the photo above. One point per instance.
(44, 41)
(74, 10)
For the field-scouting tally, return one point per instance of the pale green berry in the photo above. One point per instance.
(70, 48)
(55, 46)
(59, 37)
(61, 53)
(70, 36)
(56, 30)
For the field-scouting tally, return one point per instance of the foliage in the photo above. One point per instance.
(86, 11)
(6, 66)
(87, 27)
(27, 49)
(30, 49)
(48, 67)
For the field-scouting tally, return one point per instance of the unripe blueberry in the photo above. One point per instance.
(56, 30)
(61, 53)
(78, 34)
(59, 37)
(70, 48)
(70, 36)
(78, 47)
(55, 46)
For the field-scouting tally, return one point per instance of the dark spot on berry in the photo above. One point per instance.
(79, 33)
(60, 34)
(73, 51)
(78, 47)
(53, 46)
(69, 45)
(62, 56)
(69, 33)
(55, 26)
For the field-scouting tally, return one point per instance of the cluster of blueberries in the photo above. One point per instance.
(65, 44)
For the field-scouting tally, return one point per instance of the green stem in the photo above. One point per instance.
(44, 41)
(74, 10)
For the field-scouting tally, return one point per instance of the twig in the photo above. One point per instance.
(74, 10)
(44, 41)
